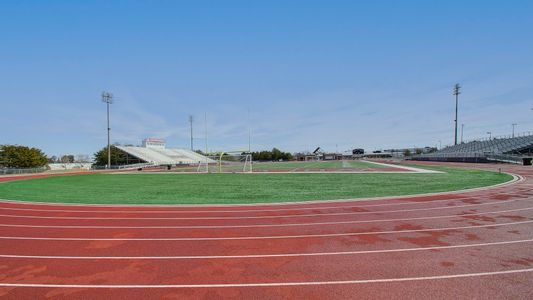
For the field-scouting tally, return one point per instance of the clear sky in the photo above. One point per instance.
(335, 74)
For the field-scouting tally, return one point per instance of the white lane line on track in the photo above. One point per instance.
(261, 217)
(263, 255)
(233, 211)
(254, 210)
(486, 189)
(261, 225)
(260, 284)
(327, 235)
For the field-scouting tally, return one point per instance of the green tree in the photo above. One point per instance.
(13, 156)
(275, 154)
(67, 158)
(118, 157)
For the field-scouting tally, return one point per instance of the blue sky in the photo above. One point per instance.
(335, 74)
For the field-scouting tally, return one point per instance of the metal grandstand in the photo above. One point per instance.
(154, 153)
(517, 149)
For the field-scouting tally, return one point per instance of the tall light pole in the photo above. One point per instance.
(249, 133)
(490, 135)
(462, 130)
(514, 125)
(108, 99)
(191, 119)
(456, 92)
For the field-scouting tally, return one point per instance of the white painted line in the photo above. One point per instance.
(261, 255)
(262, 225)
(260, 284)
(238, 211)
(516, 179)
(327, 235)
(251, 210)
(261, 217)
(411, 169)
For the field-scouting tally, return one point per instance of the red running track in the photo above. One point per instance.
(471, 244)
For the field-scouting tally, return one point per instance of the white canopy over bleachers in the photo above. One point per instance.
(163, 156)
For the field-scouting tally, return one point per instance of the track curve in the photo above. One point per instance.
(469, 244)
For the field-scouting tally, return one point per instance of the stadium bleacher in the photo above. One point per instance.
(163, 156)
(506, 149)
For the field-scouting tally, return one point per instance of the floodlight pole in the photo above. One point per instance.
(514, 125)
(205, 124)
(191, 119)
(462, 130)
(108, 99)
(456, 92)
(249, 134)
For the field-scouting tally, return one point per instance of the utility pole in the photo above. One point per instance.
(456, 92)
(514, 125)
(249, 133)
(191, 119)
(205, 124)
(462, 129)
(108, 99)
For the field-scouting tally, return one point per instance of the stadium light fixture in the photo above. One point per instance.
(490, 135)
(108, 99)
(456, 92)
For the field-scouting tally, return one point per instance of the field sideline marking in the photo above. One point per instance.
(412, 169)
(253, 210)
(262, 284)
(516, 179)
(261, 217)
(261, 237)
(262, 225)
(262, 255)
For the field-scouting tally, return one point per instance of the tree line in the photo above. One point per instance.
(273, 155)
(14, 156)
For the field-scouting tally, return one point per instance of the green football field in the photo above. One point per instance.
(346, 165)
(228, 188)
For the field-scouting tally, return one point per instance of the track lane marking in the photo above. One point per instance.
(238, 211)
(261, 284)
(261, 225)
(261, 237)
(256, 210)
(260, 217)
(262, 255)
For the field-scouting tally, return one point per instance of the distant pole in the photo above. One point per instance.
(249, 133)
(514, 125)
(440, 144)
(456, 92)
(191, 120)
(462, 130)
(108, 99)
(205, 124)
(490, 135)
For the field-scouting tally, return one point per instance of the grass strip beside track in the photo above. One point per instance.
(240, 188)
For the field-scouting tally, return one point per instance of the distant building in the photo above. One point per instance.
(154, 143)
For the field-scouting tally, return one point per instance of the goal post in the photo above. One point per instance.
(235, 162)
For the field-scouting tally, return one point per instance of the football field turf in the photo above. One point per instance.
(229, 188)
